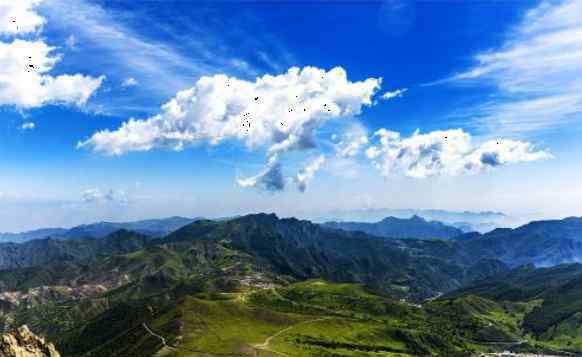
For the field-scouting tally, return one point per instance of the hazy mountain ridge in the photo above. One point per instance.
(543, 243)
(30, 235)
(149, 227)
(467, 220)
(401, 228)
(48, 250)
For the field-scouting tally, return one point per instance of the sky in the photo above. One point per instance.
(122, 110)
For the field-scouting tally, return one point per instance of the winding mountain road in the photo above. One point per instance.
(265, 345)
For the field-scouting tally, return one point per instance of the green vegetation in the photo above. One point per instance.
(260, 286)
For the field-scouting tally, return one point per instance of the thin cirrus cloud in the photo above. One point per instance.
(280, 113)
(162, 67)
(536, 72)
(25, 65)
(445, 153)
(96, 29)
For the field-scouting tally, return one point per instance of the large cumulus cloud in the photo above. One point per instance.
(445, 153)
(19, 17)
(25, 65)
(280, 113)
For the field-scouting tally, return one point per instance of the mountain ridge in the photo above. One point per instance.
(415, 227)
(228, 286)
(151, 227)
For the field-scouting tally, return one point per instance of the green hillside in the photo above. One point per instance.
(263, 286)
(555, 297)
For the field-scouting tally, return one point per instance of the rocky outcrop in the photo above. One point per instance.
(23, 343)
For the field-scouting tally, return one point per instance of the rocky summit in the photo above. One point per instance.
(21, 342)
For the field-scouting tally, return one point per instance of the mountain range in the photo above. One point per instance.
(402, 228)
(148, 227)
(466, 220)
(542, 243)
(259, 285)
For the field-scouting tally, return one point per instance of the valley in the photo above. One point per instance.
(263, 286)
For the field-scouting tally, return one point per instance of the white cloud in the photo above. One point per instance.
(351, 142)
(270, 179)
(71, 42)
(129, 82)
(18, 17)
(282, 113)
(27, 126)
(536, 72)
(305, 176)
(398, 93)
(96, 195)
(445, 153)
(25, 82)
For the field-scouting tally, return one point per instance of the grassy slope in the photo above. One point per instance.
(312, 318)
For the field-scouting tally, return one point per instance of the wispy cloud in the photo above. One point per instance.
(124, 49)
(129, 82)
(28, 126)
(536, 72)
(164, 64)
(96, 195)
(305, 175)
(398, 93)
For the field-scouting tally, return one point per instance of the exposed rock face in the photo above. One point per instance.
(23, 343)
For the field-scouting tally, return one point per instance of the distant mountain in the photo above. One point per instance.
(29, 235)
(543, 243)
(483, 227)
(49, 250)
(288, 247)
(466, 220)
(401, 228)
(148, 227)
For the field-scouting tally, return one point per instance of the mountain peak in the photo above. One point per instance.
(260, 217)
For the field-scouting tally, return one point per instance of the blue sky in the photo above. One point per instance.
(490, 87)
